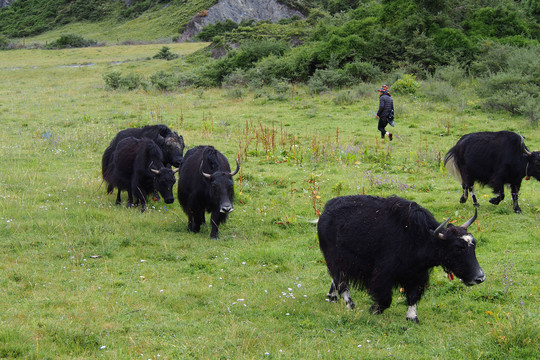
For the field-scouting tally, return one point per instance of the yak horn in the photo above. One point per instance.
(471, 220)
(237, 168)
(154, 171)
(176, 170)
(208, 176)
(437, 231)
(524, 148)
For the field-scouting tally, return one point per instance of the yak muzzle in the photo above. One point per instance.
(477, 280)
(225, 209)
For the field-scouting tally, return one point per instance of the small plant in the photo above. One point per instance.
(406, 85)
(165, 54)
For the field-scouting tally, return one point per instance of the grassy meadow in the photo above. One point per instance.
(83, 278)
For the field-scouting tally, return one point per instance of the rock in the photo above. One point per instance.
(238, 10)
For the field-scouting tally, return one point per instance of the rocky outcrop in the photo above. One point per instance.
(238, 10)
(4, 3)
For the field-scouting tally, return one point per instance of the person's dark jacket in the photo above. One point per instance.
(386, 104)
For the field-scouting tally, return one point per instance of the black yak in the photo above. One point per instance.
(206, 184)
(137, 166)
(379, 244)
(493, 159)
(170, 143)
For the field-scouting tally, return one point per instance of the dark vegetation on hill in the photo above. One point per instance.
(341, 43)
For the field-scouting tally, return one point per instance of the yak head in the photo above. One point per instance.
(533, 164)
(164, 180)
(457, 252)
(172, 146)
(221, 188)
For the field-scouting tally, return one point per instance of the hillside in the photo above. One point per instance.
(328, 44)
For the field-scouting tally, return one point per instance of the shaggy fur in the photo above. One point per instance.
(493, 159)
(379, 244)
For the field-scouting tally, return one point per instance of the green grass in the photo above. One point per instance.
(83, 278)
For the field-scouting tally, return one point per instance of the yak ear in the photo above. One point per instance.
(160, 140)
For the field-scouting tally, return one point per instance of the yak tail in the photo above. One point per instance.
(452, 167)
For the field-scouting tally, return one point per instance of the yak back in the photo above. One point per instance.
(482, 155)
(155, 132)
(133, 155)
(364, 235)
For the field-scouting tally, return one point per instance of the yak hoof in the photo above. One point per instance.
(495, 200)
(332, 297)
(375, 309)
(350, 305)
(413, 319)
(517, 210)
(462, 200)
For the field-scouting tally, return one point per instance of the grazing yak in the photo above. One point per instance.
(206, 184)
(170, 143)
(494, 159)
(379, 244)
(137, 166)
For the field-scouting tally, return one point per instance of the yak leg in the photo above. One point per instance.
(497, 189)
(343, 290)
(473, 197)
(194, 219)
(118, 198)
(332, 293)
(515, 194)
(466, 189)
(216, 219)
(465, 193)
(381, 293)
(413, 293)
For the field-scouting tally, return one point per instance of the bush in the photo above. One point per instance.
(70, 41)
(4, 42)
(212, 30)
(324, 80)
(164, 81)
(165, 54)
(406, 85)
(439, 90)
(344, 97)
(364, 71)
(114, 80)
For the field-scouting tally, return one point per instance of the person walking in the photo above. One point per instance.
(385, 114)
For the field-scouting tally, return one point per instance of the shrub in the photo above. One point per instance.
(364, 71)
(212, 30)
(112, 80)
(439, 90)
(453, 74)
(132, 81)
(344, 97)
(70, 41)
(4, 42)
(164, 81)
(323, 80)
(406, 85)
(165, 54)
